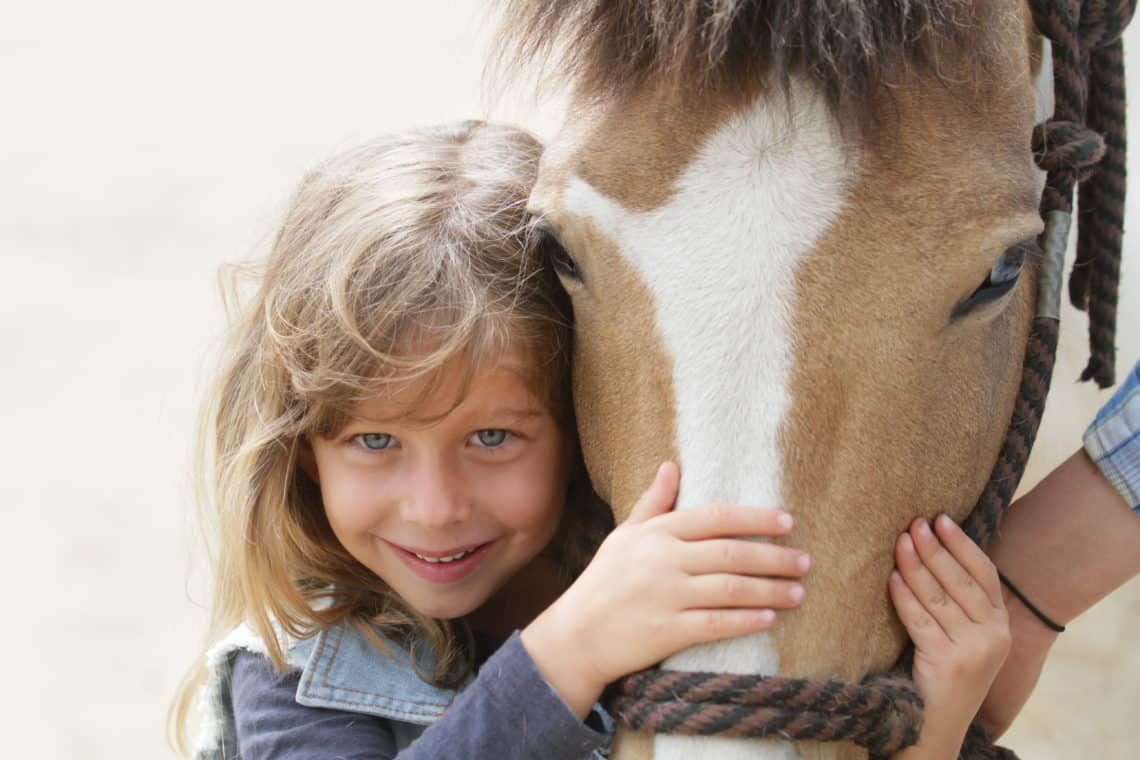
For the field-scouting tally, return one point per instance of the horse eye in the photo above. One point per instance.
(1001, 279)
(1008, 266)
(564, 263)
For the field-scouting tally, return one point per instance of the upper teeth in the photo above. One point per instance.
(452, 558)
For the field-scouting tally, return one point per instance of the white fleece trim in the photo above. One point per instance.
(209, 701)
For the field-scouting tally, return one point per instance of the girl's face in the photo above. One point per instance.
(446, 506)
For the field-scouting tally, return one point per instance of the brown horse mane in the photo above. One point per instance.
(607, 48)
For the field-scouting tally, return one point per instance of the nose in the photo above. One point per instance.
(436, 495)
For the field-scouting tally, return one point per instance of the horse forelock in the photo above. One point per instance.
(847, 47)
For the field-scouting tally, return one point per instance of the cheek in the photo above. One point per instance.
(532, 495)
(349, 500)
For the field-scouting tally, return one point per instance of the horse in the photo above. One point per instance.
(800, 243)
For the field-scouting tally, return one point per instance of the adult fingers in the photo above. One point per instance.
(658, 499)
(952, 576)
(923, 629)
(724, 590)
(725, 520)
(972, 558)
(734, 555)
(927, 589)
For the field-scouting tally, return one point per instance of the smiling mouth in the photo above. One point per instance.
(449, 558)
(453, 554)
(449, 566)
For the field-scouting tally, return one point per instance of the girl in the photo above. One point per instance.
(398, 492)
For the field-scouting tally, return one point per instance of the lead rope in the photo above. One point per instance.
(884, 711)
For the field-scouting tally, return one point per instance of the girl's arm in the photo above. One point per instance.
(948, 596)
(508, 712)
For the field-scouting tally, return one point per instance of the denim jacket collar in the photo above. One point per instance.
(341, 669)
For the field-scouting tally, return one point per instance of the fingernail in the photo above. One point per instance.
(765, 617)
(803, 562)
(785, 521)
(796, 593)
(946, 521)
(907, 543)
(924, 528)
(895, 577)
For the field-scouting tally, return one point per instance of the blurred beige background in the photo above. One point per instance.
(143, 145)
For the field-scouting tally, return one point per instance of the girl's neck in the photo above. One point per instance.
(529, 591)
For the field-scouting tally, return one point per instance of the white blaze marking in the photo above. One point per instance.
(720, 259)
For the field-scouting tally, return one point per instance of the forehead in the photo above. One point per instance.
(456, 390)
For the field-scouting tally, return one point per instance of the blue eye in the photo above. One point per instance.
(374, 441)
(490, 438)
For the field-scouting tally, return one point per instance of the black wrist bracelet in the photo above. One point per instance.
(1045, 620)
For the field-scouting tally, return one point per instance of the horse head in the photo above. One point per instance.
(799, 239)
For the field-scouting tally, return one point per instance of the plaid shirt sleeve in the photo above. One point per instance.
(1113, 439)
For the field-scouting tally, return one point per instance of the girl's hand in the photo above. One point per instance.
(661, 582)
(947, 594)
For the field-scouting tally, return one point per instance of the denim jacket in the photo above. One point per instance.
(340, 669)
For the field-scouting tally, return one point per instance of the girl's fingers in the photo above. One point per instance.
(699, 626)
(926, 588)
(734, 555)
(923, 629)
(726, 520)
(658, 499)
(955, 579)
(725, 591)
(971, 557)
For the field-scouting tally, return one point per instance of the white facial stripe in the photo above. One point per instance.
(720, 260)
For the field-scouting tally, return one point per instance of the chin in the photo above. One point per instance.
(446, 611)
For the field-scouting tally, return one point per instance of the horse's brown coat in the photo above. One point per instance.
(896, 410)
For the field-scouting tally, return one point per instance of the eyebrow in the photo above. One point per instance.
(527, 413)
(520, 413)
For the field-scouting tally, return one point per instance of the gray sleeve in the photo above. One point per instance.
(270, 723)
(509, 712)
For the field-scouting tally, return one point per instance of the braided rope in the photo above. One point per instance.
(1088, 68)
(1036, 372)
(884, 712)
